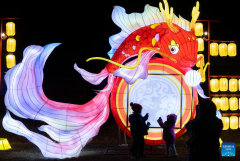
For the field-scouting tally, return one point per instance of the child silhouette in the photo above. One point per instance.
(168, 133)
(138, 129)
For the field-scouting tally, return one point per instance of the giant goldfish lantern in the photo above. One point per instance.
(167, 82)
(144, 35)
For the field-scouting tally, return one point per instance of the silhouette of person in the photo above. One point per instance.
(205, 132)
(168, 133)
(138, 129)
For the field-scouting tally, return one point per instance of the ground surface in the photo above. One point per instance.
(104, 147)
(107, 139)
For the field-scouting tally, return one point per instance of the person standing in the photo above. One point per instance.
(138, 129)
(168, 133)
(205, 132)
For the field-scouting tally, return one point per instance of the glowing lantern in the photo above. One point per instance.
(217, 102)
(223, 49)
(200, 44)
(233, 85)
(233, 103)
(234, 122)
(10, 29)
(214, 49)
(239, 84)
(239, 122)
(11, 45)
(225, 121)
(192, 78)
(198, 29)
(232, 51)
(10, 60)
(201, 62)
(223, 84)
(214, 85)
(4, 144)
(224, 104)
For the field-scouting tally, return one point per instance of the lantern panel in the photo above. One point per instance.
(198, 29)
(224, 104)
(201, 62)
(233, 85)
(10, 61)
(223, 84)
(11, 45)
(217, 102)
(214, 85)
(200, 44)
(223, 49)
(10, 29)
(233, 103)
(214, 49)
(232, 50)
(225, 121)
(234, 122)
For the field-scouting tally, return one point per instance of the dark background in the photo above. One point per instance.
(84, 27)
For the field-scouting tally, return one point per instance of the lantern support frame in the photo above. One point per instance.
(1, 39)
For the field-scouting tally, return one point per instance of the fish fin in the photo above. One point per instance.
(90, 77)
(200, 91)
(141, 71)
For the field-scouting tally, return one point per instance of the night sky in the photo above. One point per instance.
(83, 28)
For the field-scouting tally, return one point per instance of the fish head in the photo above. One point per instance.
(181, 46)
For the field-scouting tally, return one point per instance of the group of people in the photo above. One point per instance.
(204, 131)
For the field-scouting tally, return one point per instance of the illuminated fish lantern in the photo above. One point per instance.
(144, 35)
(73, 126)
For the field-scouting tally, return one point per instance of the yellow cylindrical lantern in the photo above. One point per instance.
(10, 61)
(217, 102)
(10, 29)
(224, 104)
(11, 45)
(239, 84)
(223, 49)
(233, 85)
(201, 62)
(223, 84)
(198, 29)
(214, 85)
(233, 103)
(234, 122)
(200, 44)
(214, 49)
(232, 50)
(225, 121)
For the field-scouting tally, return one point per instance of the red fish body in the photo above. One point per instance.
(158, 36)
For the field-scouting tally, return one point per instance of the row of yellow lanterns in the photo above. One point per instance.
(11, 44)
(223, 49)
(225, 103)
(233, 121)
(224, 85)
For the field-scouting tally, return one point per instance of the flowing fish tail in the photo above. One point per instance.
(71, 125)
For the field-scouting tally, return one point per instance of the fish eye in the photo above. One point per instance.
(174, 49)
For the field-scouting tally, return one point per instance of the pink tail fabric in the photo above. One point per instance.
(73, 126)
